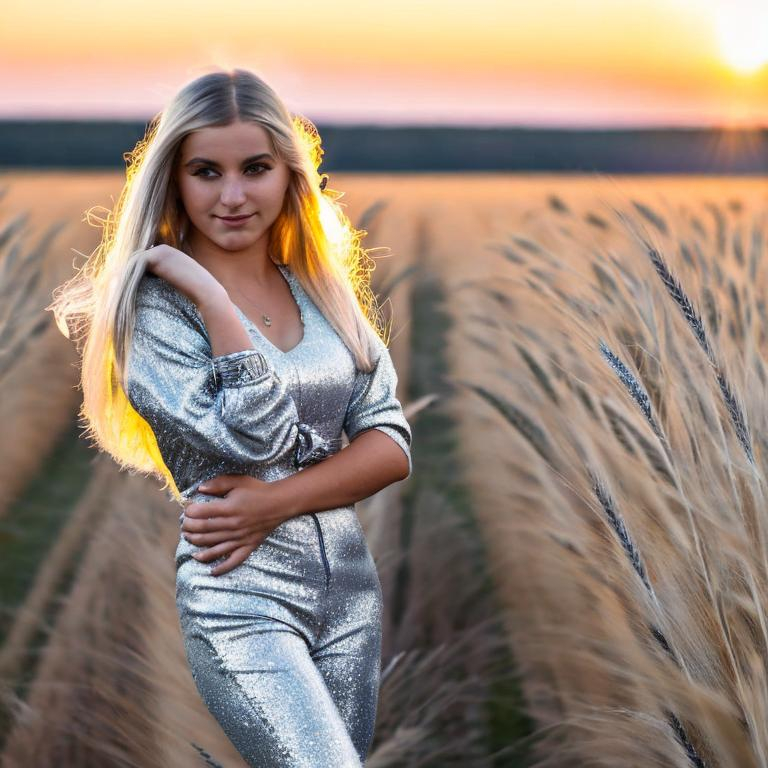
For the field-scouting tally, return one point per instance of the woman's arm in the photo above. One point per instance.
(368, 464)
(225, 329)
(228, 406)
(378, 455)
(251, 509)
(374, 404)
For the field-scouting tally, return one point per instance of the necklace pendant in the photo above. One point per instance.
(267, 320)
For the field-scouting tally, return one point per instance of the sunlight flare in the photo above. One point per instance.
(742, 34)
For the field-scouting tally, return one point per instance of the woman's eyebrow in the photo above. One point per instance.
(253, 158)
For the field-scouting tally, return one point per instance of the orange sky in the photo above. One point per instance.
(549, 62)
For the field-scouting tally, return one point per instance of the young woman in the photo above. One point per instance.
(228, 336)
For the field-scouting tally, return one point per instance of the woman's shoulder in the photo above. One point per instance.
(155, 294)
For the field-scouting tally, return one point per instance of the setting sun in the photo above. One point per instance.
(742, 33)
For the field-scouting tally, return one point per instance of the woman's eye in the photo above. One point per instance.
(202, 171)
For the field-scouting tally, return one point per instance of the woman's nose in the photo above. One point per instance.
(232, 193)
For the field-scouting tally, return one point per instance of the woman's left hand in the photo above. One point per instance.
(249, 510)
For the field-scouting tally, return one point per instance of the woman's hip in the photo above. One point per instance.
(290, 576)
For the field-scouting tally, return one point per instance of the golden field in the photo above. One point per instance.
(576, 572)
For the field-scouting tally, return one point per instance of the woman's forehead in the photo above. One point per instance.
(225, 143)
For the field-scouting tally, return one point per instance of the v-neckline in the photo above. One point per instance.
(288, 277)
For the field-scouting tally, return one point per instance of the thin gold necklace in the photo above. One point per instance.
(264, 316)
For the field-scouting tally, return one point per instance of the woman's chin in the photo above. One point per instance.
(235, 241)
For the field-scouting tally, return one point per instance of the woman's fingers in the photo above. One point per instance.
(221, 484)
(211, 553)
(212, 508)
(235, 559)
(209, 524)
(230, 545)
(215, 537)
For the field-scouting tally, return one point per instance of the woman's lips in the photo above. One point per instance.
(233, 221)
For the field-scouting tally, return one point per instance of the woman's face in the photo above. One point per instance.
(227, 171)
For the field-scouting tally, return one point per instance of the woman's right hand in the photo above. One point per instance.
(183, 272)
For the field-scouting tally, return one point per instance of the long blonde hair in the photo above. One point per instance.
(312, 235)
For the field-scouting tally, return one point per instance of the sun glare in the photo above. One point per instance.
(742, 33)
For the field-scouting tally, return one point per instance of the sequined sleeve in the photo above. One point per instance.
(374, 405)
(232, 406)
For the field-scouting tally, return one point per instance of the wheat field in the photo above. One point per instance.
(576, 572)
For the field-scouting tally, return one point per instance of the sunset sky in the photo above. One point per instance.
(485, 62)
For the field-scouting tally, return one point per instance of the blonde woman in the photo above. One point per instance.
(228, 336)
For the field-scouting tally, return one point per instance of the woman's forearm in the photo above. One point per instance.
(226, 331)
(369, 463)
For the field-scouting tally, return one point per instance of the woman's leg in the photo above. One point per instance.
(259, 682)
(347, 649)
(249, 634)
(349, 665)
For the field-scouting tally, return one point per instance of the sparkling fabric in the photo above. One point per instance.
(285, 648)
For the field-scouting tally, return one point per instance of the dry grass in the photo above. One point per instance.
(36, 362)
(30, 616)
(623, 497)
(608, 533)
(40, 236)
(112, 686)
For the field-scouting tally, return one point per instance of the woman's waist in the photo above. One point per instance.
(188, 482)
(338, 516)
(310, 533)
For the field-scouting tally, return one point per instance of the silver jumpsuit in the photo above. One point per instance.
(285, 648)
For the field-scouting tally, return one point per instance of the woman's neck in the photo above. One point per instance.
(252, 266)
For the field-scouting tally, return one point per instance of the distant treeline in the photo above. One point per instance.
(103, 144)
